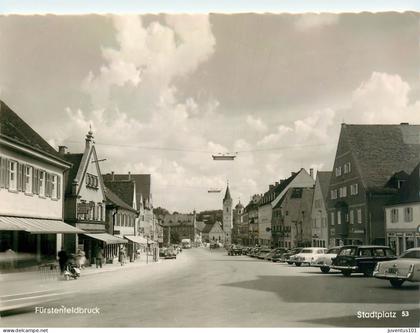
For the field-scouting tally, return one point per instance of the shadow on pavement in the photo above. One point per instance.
(319, 289)
(353, 321)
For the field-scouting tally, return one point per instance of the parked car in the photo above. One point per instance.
(170, 254)
(254, 252)
(234, 250)
(405, 268)
(289, 254)
(361, 258)
(278, 254)
(307, 255)
(214, 245)
(324, 261)
(263, 252)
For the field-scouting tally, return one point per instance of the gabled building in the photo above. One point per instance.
(292, 218)
(179, 226)
(319, 212)
(249, 231)
(31, 190)
(402, 215)
(213, 232)
(85, 202)
(237, 223)
(270, 199)
(370, 163)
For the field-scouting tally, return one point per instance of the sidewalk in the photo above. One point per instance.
(25, 289)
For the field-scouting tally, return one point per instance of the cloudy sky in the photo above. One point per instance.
(164, 92)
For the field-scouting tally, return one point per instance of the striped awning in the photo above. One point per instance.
(107, 238)
(37, 226)
(137, 239)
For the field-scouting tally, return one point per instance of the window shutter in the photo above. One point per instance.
(19, 176)
(34, 181)
(3, 172)
(47, 184)
(58, 187)
(23, 177)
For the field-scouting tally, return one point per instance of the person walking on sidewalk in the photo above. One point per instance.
(99, 257)
(121, 258)
(62, 260)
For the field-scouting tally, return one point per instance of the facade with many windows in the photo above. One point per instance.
(370, 163)
(31, 190)
(402, 215)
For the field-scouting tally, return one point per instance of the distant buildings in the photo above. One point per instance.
(319, 214)
(179, 226)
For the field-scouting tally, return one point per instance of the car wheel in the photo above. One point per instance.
(396, 283)
(346, 273)
(298, 264)
(290, 263)
(325, 269)
(368, 273)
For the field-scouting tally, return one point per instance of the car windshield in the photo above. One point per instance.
(307, 251)
(414, 254)
(333, 251)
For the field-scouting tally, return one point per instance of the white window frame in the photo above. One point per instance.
(343, 192)
(41, 183)
(338, 171)
(54, 186)
(408, 214)
(351, 216)
(359, 215)
(338, 217)
(334, 194)
(12, 174)
(394, 215)
(28, 179)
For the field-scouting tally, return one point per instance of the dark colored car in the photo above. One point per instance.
(361, 258)
(286, 256)
(234, 250)
(276, 257)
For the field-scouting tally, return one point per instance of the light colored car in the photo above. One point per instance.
(307, 255)
(405, 268)
(324, 261)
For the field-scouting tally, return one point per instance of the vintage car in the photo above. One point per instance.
(361, 258)
(286, 257)
(234, 250)
(324, 261)
(405, 268)
(307, 255)
(263, 252)
(277, 256)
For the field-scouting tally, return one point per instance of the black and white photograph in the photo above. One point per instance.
(215, 167)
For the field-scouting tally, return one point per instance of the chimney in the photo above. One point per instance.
(404, 124)
(270, 187)
(112, 174)
(277, 183)
(311, 172)
(62, 150)
(129, 175)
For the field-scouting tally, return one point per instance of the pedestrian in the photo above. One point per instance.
(80, 259)
(62, 260)
(121, 258)
(99, 257)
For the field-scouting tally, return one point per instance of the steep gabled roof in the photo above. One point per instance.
(207, 228)
(143, 184)
(124, 189)
(272, 194)
(114, 199)
(382, 150)
(14, 128)
(74, 159)
(324, 178)
(227, 194)
(410, 190)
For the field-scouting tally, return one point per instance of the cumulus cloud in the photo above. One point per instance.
(256, 123)
(312, 20)
(383, 98)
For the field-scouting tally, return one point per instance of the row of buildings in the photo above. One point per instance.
(53, 199)
(372, 196)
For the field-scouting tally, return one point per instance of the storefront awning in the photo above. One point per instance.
(137, 239)
(107, 238)
(37, 226)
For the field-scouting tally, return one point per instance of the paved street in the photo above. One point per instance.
(207, 289)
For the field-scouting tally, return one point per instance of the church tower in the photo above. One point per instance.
(227, 216)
